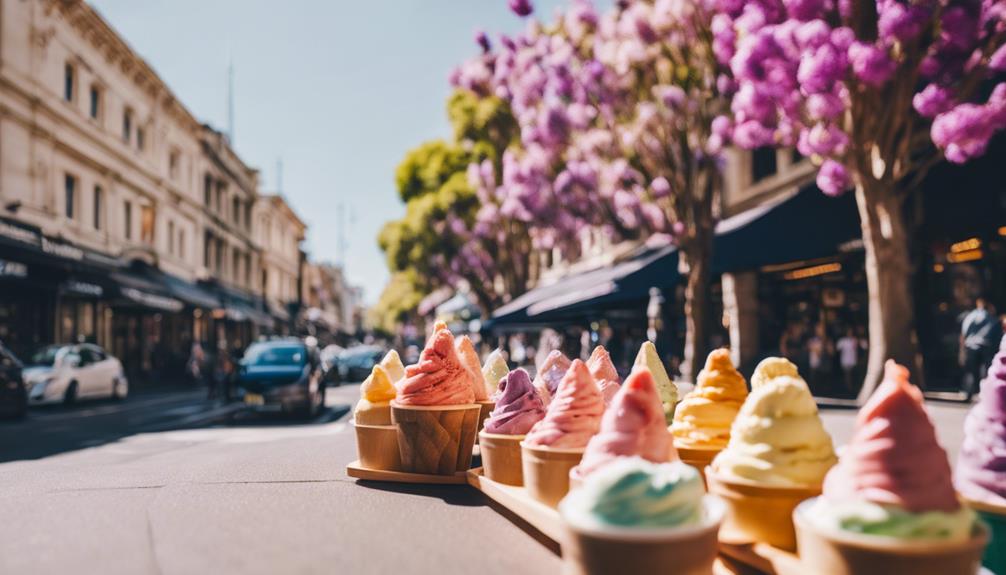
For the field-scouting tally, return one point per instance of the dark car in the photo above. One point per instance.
(356, 363)
(282, 376)
(13, 393)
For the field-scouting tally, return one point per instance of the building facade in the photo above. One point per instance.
(123, 220)
(280, 233)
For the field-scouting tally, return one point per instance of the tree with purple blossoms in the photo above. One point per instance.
(617, 134)
(874, 92)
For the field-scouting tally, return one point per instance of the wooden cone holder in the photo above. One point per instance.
(435, 440)
(377, 447)
(501, 457)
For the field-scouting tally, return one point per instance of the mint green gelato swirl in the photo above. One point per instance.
(634, 492)
(891, 521)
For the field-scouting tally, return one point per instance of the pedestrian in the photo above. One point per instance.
(195, 365)
(819, 353)
(848, 357)
(977, 342)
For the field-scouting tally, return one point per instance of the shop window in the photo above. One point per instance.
(69, 82)
(147, 218)
(127, 125)
(70, 196)
(95, 103)
(763, 164)
(99, 204)
(127, 210)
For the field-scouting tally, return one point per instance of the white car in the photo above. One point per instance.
(66, 373)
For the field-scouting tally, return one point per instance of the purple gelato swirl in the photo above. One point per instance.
(981, 466)
(518, 406)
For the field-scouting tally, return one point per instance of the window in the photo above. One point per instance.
(207, 245)
(69, 82)
(173, 160)
(128, 220)
(181, 243)
(95, 108)
(147, 219)
(171, 238)
(127, 125)
(70, 188)
(99, 202)
(236, 210)
(235, 265)
(140, 139)
(763, 164)
(207, 189)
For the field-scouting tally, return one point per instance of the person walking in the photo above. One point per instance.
(196, 363)
(848, 357)
(978, 331)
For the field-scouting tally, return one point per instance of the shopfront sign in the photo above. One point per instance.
(62, 250)
(19, 233)
(153, 300)
(11, 269)
(83, 288)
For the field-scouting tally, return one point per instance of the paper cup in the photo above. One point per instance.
(435, 440)
(687, 550)
(377, 414)
(994, 517)
(377, 446)
(546, 471)
(501, 457)
(698, 457)
(839, 553)
(758, 513)
(485, 408)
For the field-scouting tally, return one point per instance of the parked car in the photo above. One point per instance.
(356, 363)
(330, 363)
(13, 394)
(68, 372)
(282, 376)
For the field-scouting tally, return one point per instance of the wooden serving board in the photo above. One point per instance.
(356, 470)
(764, 558)
(546, 519)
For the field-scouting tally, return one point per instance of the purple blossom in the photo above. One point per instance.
(522, 8)
(483, 41)
(871, 63)
(752, 134)
(660, 187)
(833, 178)
(932, 101)
(901, 21)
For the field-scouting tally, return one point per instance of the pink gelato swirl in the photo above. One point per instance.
(518, 406)
(981, 465)
(604, 373)
(439, 378)
(470, 359)
(633, 424)
(893, 457)
(574, 416)
(550, 373)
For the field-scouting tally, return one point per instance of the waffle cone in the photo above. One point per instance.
(435, 440)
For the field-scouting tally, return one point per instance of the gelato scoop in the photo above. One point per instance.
(633, 424)
(981, 465)
(604, 373)
(893, 478)
(574, 415)
(771, 368)
(470, 359)
(494, 370)
(778, 437)
(650, 359)
(439, 378)
(634, 492)
(392, 364)
(518, 406)
(704, 416)
(550, 373)
(376, 393)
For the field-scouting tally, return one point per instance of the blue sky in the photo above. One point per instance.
(338, 90)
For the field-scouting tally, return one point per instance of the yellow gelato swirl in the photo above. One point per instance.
(778, 437)
(704, 416)
(771, 368)
(393, 365)
(376, 393)
(650, 359)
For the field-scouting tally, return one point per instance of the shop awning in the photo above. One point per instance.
(799, 225)
(135, 287)
(191, 294)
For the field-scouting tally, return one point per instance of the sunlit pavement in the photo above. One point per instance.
(260, 495)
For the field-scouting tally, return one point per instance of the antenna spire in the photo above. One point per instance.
(230, 97)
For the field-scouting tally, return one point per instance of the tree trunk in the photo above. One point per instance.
(698, 258)
(889, 280)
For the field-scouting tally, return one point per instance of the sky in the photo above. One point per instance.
(338, 90)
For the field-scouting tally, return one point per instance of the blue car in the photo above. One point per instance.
(282, 377)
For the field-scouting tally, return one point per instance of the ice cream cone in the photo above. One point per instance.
(758, 513)
(845, 553)
(377, 446)
(501, 458)
(994, 517)
(435, 439)
(689, 550)
(546, 471)
(377, 414)
(698, 457)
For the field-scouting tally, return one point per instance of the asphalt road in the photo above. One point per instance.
(245, 495)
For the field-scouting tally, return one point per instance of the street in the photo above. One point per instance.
(169, 484)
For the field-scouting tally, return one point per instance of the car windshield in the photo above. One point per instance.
(265, 354)
(46, 355)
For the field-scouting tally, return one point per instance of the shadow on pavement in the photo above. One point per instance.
(462, 495)
(247, 418)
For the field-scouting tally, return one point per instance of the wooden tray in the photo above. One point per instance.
(356, 470)
(546, 519)
(764, 558)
